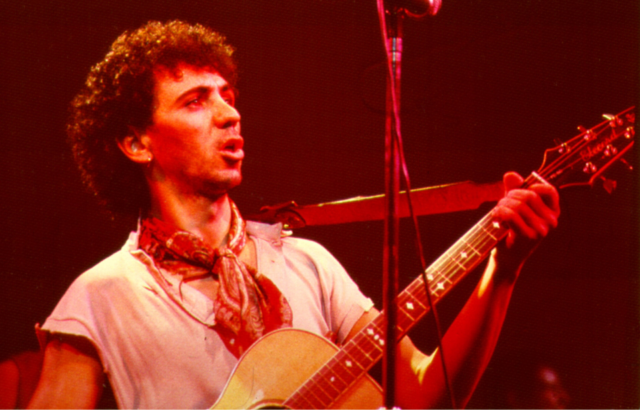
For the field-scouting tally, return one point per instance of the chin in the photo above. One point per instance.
(234, 180)
(220, 186)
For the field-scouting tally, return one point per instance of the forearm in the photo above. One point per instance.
(468, 345)
(529, 214)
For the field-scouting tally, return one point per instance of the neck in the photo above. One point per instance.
(205, 217)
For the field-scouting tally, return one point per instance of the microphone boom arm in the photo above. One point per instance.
(453, 197)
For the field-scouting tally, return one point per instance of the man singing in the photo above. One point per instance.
(156, 134)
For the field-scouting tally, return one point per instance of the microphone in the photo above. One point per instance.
(417, 8)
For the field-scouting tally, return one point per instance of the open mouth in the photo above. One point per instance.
(232, 149)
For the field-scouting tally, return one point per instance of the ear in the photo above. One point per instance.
(135, 148)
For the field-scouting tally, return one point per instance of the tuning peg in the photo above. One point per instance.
(613, 119)
(589, 168)
(626, 164)
(588, 135)
(563, 147)
(610, 150)
(609, 185)
(629, 133)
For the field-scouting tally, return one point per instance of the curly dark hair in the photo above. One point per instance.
(118, 96)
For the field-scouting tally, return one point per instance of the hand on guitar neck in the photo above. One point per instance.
(529, 210)
(529, 214)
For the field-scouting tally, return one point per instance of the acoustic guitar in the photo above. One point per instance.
(297, 369)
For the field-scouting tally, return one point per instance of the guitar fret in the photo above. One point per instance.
(434, 275)
(324, 398)
(469, 246)
(465, 251)
(306, 399)
(358, 356)
(366, 348)
(325, 379)
(465, 259)
(320, 401)
(405, 321)
(408, 309)
(333, 379)
(339, 369)
(365, 353)
(369, 340)
(374, 350)
(369, 348)
(377, 326)
(350, 365)
(462, 259)
(418, 295)
(439, 281)
(489, 233)
(331, 382)
(414, 298)
(437, 287)
(447, 278)
(438, 269)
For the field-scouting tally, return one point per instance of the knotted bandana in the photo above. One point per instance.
(247, 304)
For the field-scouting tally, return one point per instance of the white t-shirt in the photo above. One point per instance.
(155, 337)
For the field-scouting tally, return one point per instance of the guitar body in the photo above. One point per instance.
(279, 363)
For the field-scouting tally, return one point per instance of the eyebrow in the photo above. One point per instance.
(202, 89)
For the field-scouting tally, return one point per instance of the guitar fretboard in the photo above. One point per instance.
(366, 348)
(579, 161)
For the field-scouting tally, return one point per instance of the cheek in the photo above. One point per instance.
(182, 138)
(171, 139)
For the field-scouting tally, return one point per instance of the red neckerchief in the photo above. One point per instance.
(247, 304)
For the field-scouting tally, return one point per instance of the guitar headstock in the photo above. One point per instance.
(583, 159)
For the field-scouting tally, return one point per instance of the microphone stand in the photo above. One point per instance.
(392, 204)
(391, 19)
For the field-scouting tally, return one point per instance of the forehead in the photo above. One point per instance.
(168, 81)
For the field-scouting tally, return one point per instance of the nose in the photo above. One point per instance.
(225, 115)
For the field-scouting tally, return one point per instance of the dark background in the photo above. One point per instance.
(487, 86)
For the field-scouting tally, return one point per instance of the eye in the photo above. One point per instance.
(230, 99)
(194, 101)
(228, 95)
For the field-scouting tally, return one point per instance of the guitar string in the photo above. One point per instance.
(450, 271)
(336, 362)
(477, 244)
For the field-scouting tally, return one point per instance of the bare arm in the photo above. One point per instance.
(72, 375)
(468, 343)
(9, 376)
(470, 340)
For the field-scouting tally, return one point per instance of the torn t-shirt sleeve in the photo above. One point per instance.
(342, 301)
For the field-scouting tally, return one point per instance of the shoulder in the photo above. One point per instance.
(314, 252)
(122, 265)
(121, 273)
(292, 247)
(277, 236)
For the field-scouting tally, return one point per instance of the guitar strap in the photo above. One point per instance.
(247, 304)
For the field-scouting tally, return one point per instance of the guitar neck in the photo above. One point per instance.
(579, 161)
(366, 348)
